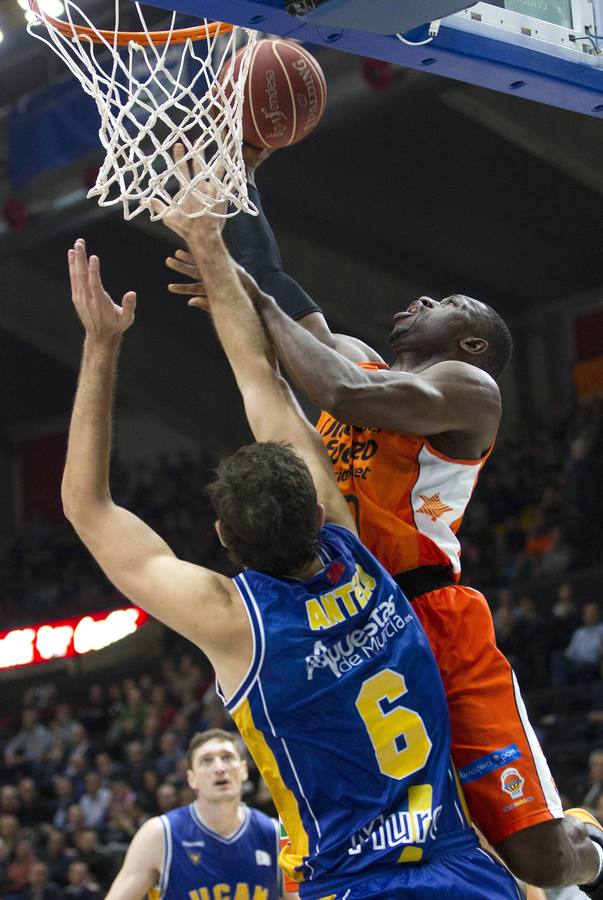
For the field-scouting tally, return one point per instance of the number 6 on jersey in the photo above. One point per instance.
(385, 728)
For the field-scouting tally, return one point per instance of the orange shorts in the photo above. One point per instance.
(502, 769)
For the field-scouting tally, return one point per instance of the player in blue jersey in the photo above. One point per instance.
(348, 726)
(214, 849)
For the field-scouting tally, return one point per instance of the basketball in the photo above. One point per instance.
(285, 94)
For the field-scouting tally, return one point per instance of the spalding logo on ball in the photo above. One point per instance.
(285, 94)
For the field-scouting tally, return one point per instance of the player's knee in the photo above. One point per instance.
(542, 855)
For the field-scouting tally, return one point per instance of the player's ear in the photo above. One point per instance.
(218, 527)
(321, 515)
(474, 345)
(190, 779)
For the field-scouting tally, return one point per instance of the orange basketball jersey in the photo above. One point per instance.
(408, 499)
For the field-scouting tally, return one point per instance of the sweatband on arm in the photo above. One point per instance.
(253, 245)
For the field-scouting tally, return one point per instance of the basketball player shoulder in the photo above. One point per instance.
(266, 830)
(149, 838)
(457, 377)
(263, 821)
(470, 395)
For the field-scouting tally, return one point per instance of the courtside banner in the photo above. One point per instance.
(63, 638)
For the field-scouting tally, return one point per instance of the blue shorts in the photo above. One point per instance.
(470, 875)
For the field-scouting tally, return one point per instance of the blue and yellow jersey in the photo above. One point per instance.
(344, 712)
(199, 864)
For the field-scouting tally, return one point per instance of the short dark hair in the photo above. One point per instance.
(202, 737)
(265, 499)
(500, 343)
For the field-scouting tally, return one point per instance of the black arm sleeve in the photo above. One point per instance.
(253, 245)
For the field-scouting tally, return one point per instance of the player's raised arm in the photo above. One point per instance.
(444, 397)
(194, 601)
(141, 867)
(272, 411)
(254, 246)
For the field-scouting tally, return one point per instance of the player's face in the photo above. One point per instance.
(438, 321)
(217, 772)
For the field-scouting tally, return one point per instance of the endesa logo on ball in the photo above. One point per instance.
(63, 638)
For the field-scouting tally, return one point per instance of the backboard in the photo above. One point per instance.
(543, 50)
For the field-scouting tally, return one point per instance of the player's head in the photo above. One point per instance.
(216, 771)
(268, 513)
(456, 327)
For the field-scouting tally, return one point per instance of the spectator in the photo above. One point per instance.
(167, 798)
(151, 732)
(135, 763)
(106, 767)
(64, 723)
(40, 887)
(81, 884)
(65, 796)
(161, 706)
(94, 714)
(190, 708)
(557, 556)
(9, 800)
(531, 659)
(54, 761)
(122, 792)
(507, 637)
(58, 858)
(31, 742)
(99, 860)
(94, 801)
(130, 721)
(170, 754)
(75, 822)
(80, 742)
(33, 808)
(121, 824)
(147, 796)
(564, 620)
(76, 769)
(19, 869)
(585, 649)
(9, 833)
(595, 789)
(504, 602)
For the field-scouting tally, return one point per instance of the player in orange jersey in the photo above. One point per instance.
(422, 430)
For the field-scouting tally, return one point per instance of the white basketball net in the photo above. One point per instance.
(151, 97)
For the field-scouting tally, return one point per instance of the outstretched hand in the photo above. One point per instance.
(179, 219)
(184, 263)
(102, 319)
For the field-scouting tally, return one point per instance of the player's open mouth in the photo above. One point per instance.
(411, 311)
(222, 782)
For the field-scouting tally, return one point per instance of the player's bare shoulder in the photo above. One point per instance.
(475, 401)
(457, 376)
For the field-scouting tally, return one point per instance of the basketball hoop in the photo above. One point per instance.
(155, 89)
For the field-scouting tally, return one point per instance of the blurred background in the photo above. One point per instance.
(411, 185)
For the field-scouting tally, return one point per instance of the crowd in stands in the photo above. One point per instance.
(536, 510)
(535, 513)
(47, 573)
(83, 769)
(81, 772)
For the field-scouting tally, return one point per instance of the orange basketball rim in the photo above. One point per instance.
(123, 38)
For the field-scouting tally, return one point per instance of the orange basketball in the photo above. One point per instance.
(285, 94)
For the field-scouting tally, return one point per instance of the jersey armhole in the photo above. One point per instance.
(166, 861)
(257, 657)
